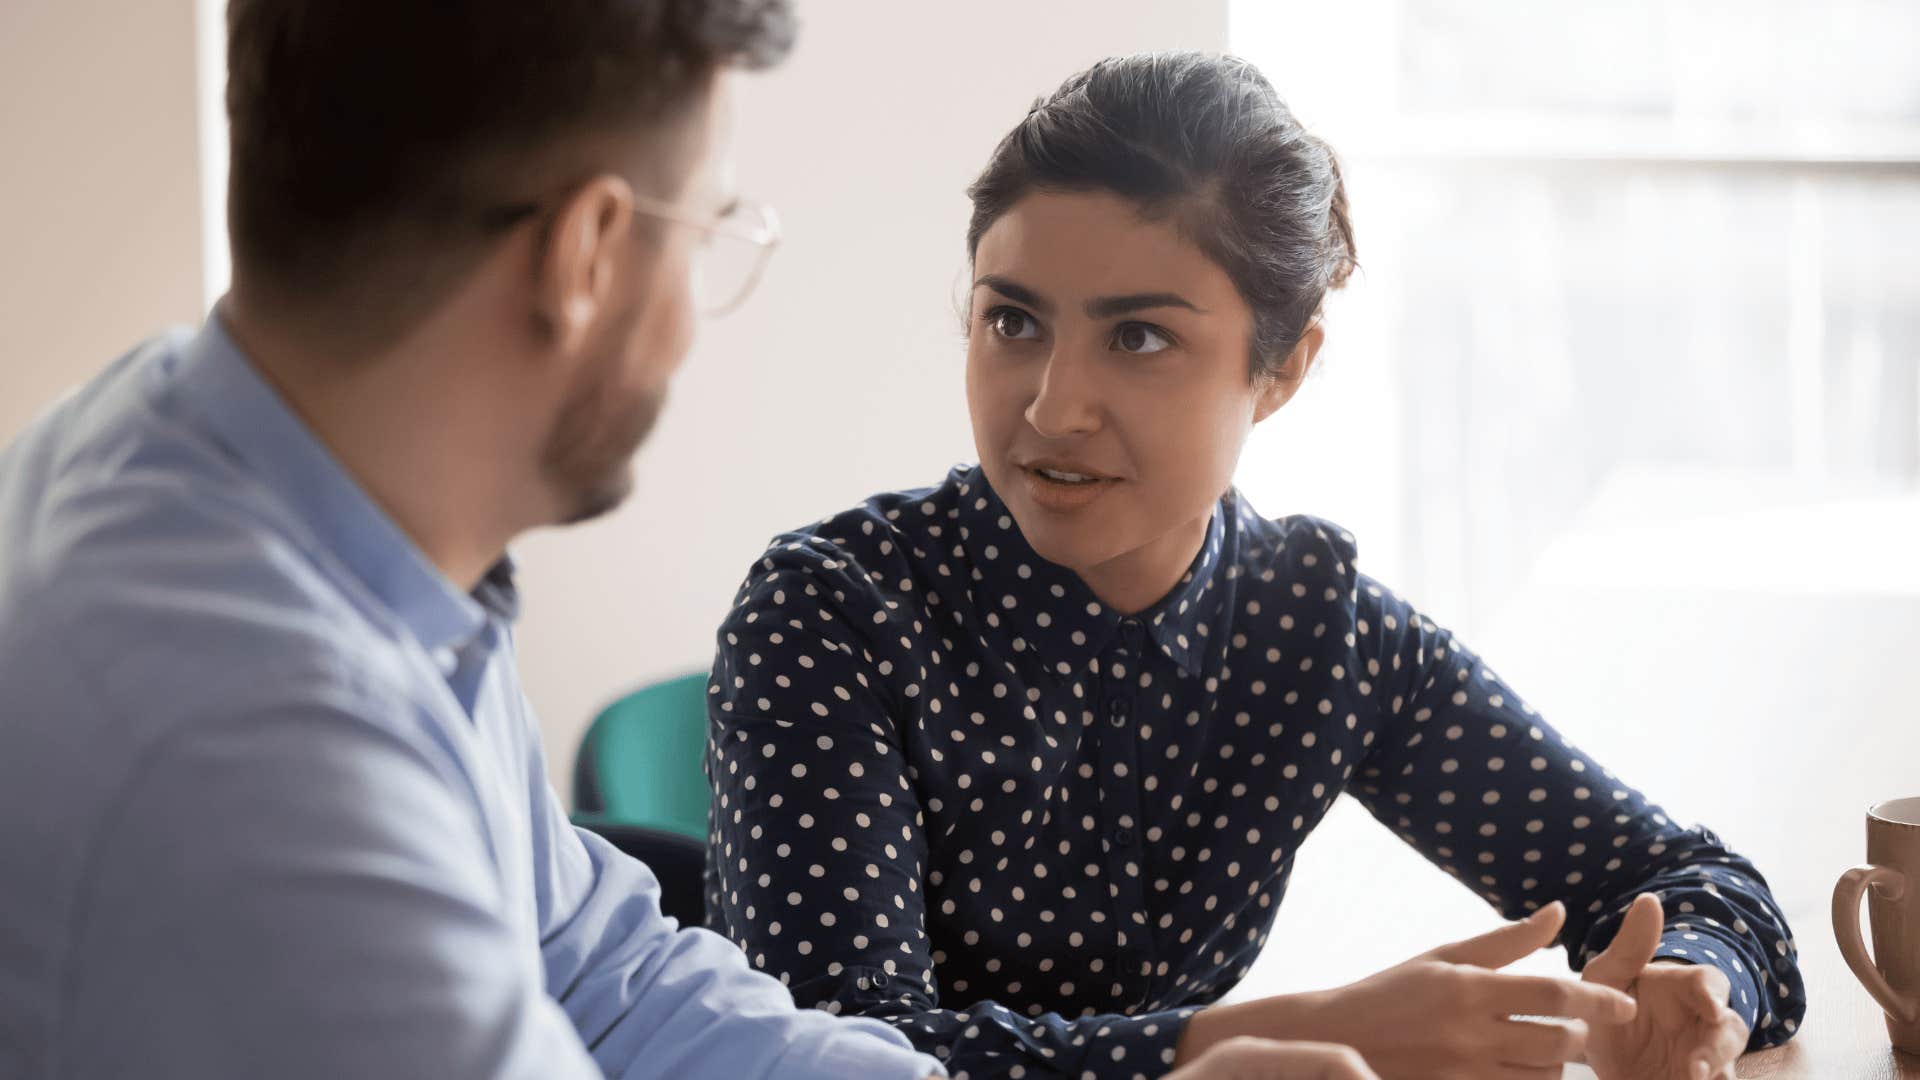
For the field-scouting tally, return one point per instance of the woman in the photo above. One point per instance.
(1020, 762)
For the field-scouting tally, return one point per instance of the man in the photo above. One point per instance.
(271, 800)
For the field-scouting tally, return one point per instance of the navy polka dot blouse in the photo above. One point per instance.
(955, 792)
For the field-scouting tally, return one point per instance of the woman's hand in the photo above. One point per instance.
(1248, 1058)
(1443, 1015)
(1683, 1029)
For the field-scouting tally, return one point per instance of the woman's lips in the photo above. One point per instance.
(1050, 488)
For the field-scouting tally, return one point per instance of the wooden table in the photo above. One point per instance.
(1844, 1037)
(1775, 719)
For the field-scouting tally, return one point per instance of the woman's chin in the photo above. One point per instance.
(1070, 546)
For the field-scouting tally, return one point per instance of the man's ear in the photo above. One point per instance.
(577, 257)
(1281, 385)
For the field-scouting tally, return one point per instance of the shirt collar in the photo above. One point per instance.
(1182, 623)
(1041, 607)
(246, 414)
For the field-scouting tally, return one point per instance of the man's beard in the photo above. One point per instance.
(588, 456)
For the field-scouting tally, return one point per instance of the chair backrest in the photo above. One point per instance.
(641, 761)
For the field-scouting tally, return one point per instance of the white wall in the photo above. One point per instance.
(843, 376)
(840, 379)
(99, 196)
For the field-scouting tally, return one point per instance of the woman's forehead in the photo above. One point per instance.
(1073, 246)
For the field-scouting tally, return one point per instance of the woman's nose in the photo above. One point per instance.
(1067, 401)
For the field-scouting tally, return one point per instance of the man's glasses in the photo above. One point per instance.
(734, 246)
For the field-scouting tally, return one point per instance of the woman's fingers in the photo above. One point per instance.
(1505, 944)
(1246, 1058)
(1710, 990)
(1720, 1048)
(1729, 1041)
(1527, 1072)
(1540, 995)
(1539, 1044)
(1632, 946)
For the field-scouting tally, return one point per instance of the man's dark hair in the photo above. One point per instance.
(1202, 139)
(370, 138)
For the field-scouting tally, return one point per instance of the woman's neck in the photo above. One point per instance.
(1134, 581)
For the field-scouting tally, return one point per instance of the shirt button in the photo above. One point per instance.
(1117, 709)
(1123, 837)
(1132, 633)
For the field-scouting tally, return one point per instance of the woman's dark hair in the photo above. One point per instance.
(1203, 139)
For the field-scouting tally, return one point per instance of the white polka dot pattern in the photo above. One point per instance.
(953, 791)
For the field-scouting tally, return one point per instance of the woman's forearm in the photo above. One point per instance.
(1283, 1016)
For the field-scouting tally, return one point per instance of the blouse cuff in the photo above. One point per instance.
(1695, 946)
(1127, 1046)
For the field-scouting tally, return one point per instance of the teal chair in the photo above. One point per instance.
(639, 781)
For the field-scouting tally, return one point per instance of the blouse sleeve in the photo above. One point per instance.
(1472, 777)
(819, 846)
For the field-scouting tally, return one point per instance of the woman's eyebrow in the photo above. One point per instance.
(1106, 307)
(1015, 292)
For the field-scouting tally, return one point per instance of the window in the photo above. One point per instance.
(1624, 265)
(1638, 317)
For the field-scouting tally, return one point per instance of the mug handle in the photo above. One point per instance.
(1847, 894)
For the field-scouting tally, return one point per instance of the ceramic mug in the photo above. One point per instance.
(1892, 873)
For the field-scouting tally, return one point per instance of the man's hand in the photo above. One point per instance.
(1683, 1029)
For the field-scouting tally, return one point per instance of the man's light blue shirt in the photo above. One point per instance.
(272, 802)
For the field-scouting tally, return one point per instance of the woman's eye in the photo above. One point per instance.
(1140, 338)
(1013, 324)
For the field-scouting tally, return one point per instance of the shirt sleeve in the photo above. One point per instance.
(1470, 775)
(299, 893)
(652, 999)
(819, 845)
(307, 892)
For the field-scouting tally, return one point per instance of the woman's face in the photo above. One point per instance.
(1108, 380)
